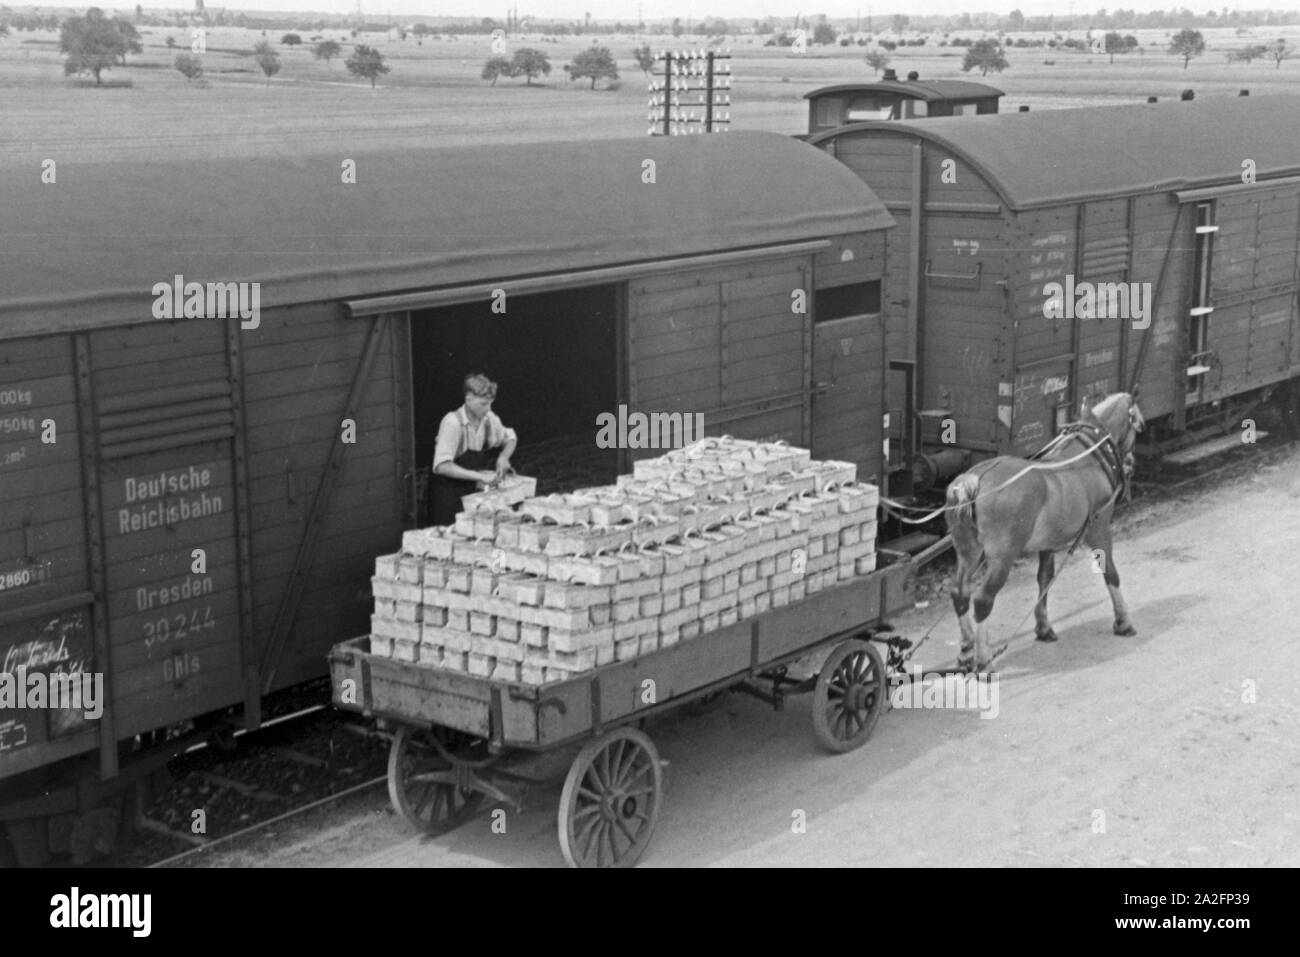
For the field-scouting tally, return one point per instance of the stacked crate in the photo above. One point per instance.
(693, 541)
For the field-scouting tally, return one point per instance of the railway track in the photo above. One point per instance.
(253, 785)
(233, 786)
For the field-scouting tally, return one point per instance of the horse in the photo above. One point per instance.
(1009, 506)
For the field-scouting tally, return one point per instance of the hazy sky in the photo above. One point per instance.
(626, 10)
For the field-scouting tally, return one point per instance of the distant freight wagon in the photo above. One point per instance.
(192, 506)
(1042, 259)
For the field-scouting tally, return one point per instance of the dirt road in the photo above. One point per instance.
(1180, 746)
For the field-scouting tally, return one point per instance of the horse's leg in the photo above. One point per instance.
(1046, 569)
(1099, 537)
(999, 569)
(960, 591)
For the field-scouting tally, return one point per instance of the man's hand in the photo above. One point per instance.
(487, 479)
(503, 467)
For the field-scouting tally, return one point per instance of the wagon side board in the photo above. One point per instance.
(538, 717)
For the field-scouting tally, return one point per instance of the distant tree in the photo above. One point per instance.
(645, 59)
(132, 37)
(877, 60)
(985, 55)
(139, 12)
(495, 67)
(528, 62)
(899, 22)
(1248, 53)
(290, 40)
(4, 29)
(1015, 21)
(1280, 50)
(189, 64)
(93, 43)
(596, 63)
(1118, 44)
(1187, 43)
(327, 50)
(677, 26)
(421, 30)
(367, 63)
(824, 33)
(267, 58)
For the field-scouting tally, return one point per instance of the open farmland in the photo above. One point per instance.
(434, 95)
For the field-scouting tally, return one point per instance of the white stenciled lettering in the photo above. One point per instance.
(189, 479)
(159, 515)
(195, 586)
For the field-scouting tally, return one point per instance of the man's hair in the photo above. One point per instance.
(476, 383)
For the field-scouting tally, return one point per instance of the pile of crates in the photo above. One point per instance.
(693, 541)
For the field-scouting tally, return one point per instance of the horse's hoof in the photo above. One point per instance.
(1126, 630)
(1048, 635)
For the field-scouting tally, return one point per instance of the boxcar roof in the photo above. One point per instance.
(928, 90)
(1062, 156)
(86, 252)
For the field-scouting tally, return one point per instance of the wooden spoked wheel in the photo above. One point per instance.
(421, 784)
(849, 696)
(610, 802)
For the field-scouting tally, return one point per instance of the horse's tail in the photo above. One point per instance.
(961, 503)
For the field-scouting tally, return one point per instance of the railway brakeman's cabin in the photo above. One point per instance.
(893, 99)
(1004, 224)
(204, 527)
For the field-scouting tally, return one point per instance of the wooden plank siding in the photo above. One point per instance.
(964, 331)
(727, 343)
(1103, 259)
(1161, 375)
(298, 368)
(42, 533)
(1253, 330)
(715, 341)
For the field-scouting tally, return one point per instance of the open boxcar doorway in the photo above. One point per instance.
(555, 357)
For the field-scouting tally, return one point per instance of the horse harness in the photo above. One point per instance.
(1105, 453)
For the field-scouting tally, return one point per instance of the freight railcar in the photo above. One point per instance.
(1021, 236)
(890, 98)
(220, 382)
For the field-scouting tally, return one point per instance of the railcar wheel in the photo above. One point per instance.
(849, 696)
(610, 802)
(418, 787)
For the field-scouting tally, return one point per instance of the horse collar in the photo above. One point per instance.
(1106, 452)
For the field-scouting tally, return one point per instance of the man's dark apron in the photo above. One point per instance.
(445, 492)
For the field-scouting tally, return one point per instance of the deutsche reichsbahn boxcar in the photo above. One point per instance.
(890, 98)
(220, 382)
(1021, 236)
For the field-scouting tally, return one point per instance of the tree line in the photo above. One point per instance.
(96, 42)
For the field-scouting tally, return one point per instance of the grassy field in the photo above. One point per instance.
(434, 96)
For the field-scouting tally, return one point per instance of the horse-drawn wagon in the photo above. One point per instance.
(456, 736)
